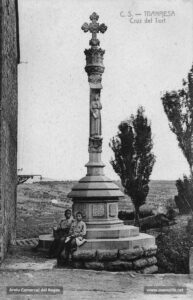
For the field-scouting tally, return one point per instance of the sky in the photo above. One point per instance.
(142, 61)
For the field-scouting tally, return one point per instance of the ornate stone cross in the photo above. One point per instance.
(95, 68)
(94, 28)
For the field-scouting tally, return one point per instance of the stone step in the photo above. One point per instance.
(112, 233)
(45, 241)
(141, 240)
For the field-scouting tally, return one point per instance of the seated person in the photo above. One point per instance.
(76, 236)
(60, 233)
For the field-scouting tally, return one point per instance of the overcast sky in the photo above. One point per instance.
(141, 61)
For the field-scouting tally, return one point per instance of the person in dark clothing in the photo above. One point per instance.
(60, 233)
(75, 238)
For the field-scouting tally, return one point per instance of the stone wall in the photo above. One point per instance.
(8, 121)
(139, 259)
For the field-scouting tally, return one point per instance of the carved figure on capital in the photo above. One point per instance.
(95, 144)
(95, 78)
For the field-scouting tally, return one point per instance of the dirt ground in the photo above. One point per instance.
(82, 284)
(37, 214)
(95, 285)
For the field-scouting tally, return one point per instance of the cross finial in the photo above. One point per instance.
(94, 28)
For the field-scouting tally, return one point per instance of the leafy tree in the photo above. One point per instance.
(178, 106)
(184, 199)
(133, 158)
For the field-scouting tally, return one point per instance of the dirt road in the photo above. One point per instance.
(83, 284)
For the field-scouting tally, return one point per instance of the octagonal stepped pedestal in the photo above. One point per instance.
(96, 196)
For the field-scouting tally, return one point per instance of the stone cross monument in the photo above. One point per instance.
(95, 195)
(110, 244)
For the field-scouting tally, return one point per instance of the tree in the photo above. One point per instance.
(184, 199)
(178, 106)
(133, 158)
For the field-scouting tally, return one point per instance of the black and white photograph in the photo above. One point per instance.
(96, 143)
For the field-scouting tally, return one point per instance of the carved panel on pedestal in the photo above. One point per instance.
(113, 210)
(98, 210)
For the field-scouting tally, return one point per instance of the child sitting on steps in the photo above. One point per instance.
(76, 236)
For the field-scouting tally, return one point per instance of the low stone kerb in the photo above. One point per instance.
(84, 255)
(150, 251)
(118, 265)
(130, 254)
(106, 255)
(144, 262)
(94, 265)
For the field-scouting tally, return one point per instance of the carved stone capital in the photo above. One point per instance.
(94, 65)
(94, 56)
(94, 73)
(95, 144)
